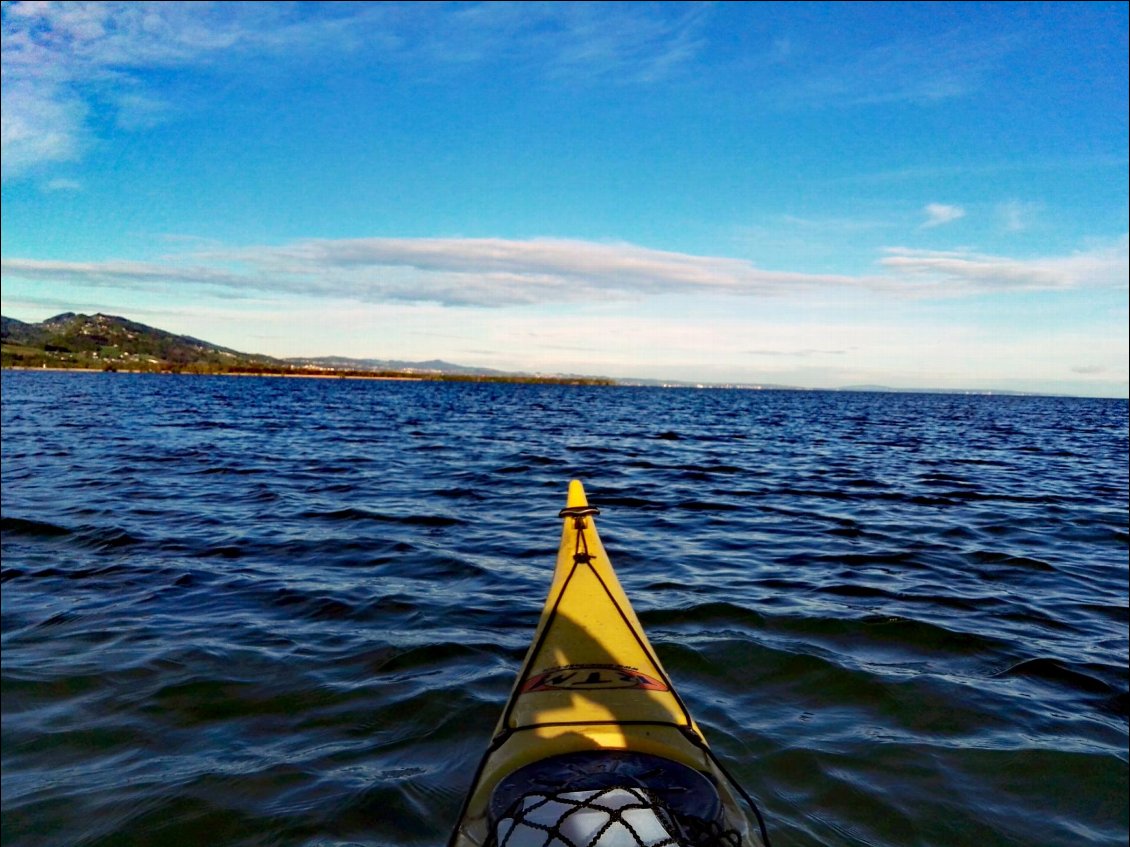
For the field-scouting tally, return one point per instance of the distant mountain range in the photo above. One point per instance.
(432, 366)
(112, 343)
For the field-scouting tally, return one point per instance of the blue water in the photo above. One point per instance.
(255, 611)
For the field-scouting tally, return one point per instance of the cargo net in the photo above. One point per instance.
(625, 816)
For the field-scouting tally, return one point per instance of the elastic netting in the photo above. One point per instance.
(621, 816)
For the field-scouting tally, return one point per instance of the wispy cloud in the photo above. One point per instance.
(799, 354)
(1016, 216)
(60, 57)
(62, 184)
(946, 65)
(985, 169)
(125, 274)
(963, 272)
(41, 124)
(610, 43)
(485, 270)
(939, 214)
(498, 272)
(63, 60)
(635, 43)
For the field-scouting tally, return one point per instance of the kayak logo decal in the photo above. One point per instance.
(591, 678)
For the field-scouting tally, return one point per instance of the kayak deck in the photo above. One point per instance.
(591, 684)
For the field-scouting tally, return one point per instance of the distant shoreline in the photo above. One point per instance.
(439, 377)
(583, 381)
(219, 373)
(99, 343)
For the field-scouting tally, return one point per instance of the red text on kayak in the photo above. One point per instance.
(590, 678)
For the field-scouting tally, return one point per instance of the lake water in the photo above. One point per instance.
(255, 611)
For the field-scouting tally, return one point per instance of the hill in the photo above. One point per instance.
(432, 366)
(108, 342)
(112, 343)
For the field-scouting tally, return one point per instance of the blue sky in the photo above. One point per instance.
(822, 195)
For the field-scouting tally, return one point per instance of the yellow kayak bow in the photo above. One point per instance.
(593, 707)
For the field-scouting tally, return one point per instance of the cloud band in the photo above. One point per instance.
(501, 272)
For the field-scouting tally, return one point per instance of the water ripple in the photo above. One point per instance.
(288, 612)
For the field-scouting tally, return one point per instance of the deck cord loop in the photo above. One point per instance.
(578, 514)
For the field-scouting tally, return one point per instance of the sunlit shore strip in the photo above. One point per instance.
(405, 378)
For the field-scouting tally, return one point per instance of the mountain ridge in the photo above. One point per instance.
(77, 341)
(114, 343)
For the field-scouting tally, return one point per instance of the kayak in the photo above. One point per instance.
(594, 746)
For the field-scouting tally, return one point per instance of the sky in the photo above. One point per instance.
(819, 195)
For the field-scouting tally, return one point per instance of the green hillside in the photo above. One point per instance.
(106, 342)
(111, 343)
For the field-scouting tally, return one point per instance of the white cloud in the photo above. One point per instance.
(453, 272)
(938, 214)
(883, 339)
(499, 272)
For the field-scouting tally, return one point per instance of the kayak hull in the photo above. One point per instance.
(592, 683)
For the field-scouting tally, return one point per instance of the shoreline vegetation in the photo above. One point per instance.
(323, 373)
(107, 343)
